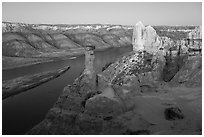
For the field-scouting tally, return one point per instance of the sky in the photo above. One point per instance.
(125, 13)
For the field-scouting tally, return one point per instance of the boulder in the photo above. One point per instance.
(103, 107)
(173, 113)
(131, 85)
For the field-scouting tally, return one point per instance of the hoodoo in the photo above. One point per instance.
(138, 37)
(89, 64)
(145, 38)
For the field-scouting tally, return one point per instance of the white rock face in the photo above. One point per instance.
(145, 38)
(153, 41)
(138, 37)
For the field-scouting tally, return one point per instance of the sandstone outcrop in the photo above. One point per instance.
(145, 38)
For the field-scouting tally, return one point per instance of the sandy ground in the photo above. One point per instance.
(189, 100)
(148, 115)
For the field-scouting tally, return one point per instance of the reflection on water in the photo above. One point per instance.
(21, 112)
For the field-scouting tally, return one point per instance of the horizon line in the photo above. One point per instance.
(89, 24)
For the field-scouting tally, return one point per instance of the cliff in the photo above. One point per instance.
(32, 40)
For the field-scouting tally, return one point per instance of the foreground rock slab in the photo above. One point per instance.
(102, 115)
(20, 84)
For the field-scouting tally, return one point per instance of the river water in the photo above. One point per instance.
(23, 111)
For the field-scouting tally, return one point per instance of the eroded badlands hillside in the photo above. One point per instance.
(24, 44)
(26, 40)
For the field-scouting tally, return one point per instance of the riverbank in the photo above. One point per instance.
(17, 62)
(21, 84)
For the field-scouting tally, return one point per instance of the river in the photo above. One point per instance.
(23, 111)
